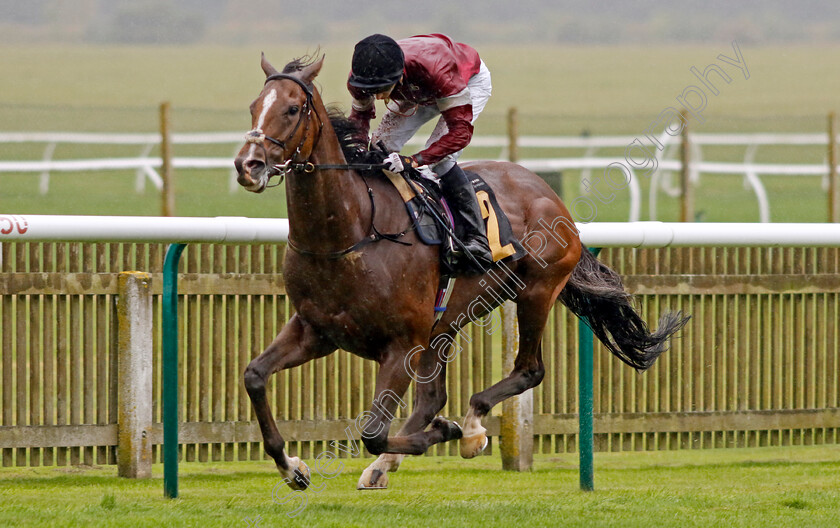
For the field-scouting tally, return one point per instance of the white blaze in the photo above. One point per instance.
(268, 100)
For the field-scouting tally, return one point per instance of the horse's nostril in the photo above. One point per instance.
(254, 165)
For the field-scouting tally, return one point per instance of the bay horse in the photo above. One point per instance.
(353, 288)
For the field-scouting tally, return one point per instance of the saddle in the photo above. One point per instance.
(434, 222)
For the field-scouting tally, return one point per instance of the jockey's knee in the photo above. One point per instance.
(443, 167)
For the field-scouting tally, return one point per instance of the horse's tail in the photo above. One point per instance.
(596, 294)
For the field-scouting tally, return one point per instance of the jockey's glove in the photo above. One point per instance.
(396, 163)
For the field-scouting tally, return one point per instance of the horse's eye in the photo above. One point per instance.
(294, 110)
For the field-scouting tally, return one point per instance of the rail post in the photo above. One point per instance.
(586, 436)
(168, 202)
(513, 134)
(833, 184)
(517, 436)
(686, 190)
(134, 374)
(169, 388)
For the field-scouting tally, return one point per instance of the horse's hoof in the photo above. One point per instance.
(458, 432)
(472, 446)
(298, 478)
(373, 479)
(451, 430)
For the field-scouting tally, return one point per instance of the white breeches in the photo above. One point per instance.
(397, 127)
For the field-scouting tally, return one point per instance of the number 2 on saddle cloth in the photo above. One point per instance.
(433, 222)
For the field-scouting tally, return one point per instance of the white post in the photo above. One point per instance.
(134, 378)
(44, 186)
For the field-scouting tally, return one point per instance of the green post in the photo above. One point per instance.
(169, 388)
(586, 437)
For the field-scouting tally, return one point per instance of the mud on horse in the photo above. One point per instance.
(355, 291)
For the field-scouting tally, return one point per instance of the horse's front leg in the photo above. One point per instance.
(429, 400)
(296, 344)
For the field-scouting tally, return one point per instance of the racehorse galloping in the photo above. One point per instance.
(357, 291)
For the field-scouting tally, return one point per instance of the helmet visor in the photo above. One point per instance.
(374, 85)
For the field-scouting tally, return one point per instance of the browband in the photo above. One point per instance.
(277, 76)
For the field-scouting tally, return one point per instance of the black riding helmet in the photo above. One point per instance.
(378, 63)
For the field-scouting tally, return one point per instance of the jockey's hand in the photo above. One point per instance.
(393, 163)
(396, 163)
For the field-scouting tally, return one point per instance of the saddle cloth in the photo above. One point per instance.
(432, 220)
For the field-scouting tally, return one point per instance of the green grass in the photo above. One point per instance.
(620, 87)
(197, 194)
(765, 487)
(560, 90)
(718, 198)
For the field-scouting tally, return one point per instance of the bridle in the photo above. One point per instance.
(258, 137)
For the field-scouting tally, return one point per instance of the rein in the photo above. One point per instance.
(374, 235)
(257, 136)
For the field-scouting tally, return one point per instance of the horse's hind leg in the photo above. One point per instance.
(391, 384)
(430, 397)
(528, 369)
(296, 344)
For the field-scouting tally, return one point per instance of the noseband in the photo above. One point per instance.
(258, 137)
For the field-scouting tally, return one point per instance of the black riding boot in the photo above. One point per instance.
(458, 191)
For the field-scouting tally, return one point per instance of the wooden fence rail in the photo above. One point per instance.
(757, 365)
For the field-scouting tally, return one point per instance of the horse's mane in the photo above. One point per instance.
(299, 63)
(354, 144)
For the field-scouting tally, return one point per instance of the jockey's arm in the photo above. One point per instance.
(460, 130)
(362, 110)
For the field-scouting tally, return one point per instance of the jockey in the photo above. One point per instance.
(422, 78)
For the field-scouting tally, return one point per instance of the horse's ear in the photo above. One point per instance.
(309, 73)
(266, 66)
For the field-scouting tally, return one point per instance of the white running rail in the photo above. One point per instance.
(146, 166)
(240, 230)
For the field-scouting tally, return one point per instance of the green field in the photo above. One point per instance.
(557, 90)
(766, 487)
(631, 84)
